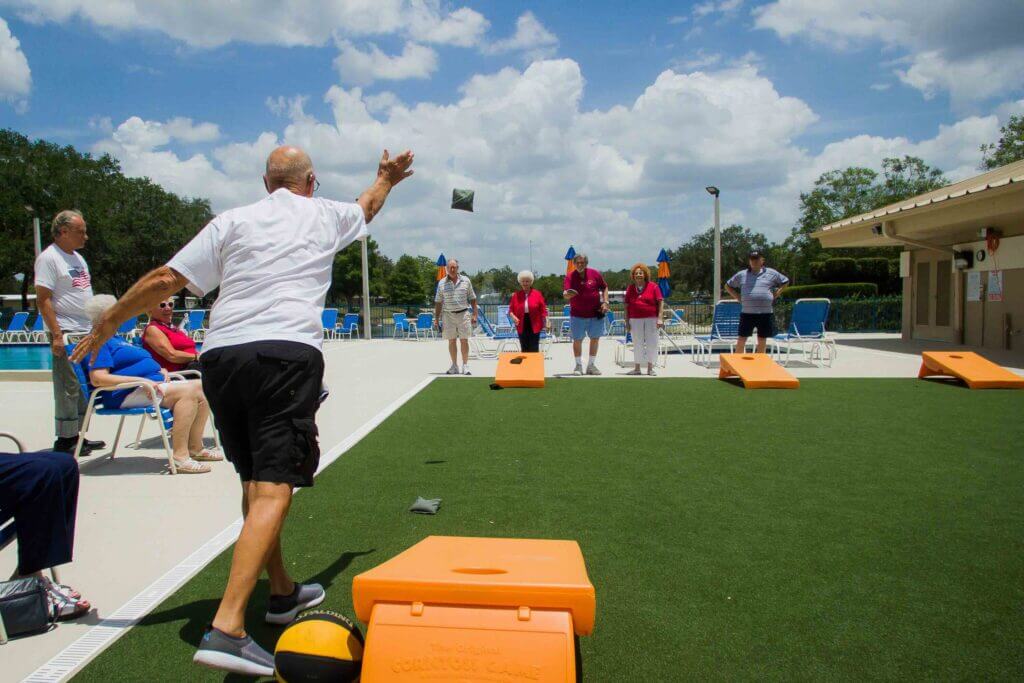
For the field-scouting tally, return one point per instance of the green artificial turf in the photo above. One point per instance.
(852, 529)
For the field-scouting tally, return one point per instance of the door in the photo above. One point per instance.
(933, 296)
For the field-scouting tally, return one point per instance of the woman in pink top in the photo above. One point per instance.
(644, 308)
(169, 346)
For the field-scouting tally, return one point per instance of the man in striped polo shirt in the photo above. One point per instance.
(455, 297)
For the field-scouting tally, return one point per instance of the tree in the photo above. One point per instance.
(1009, 148)
(428, 275)
(618, 280)
(502, 281)
(839, 194)
(551, 286)
(906, 177)
(405, 284)
(692, 264)
(347, 273)
(134, 224)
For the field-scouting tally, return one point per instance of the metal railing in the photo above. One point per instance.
(876, 314)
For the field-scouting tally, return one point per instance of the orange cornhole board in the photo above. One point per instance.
(977, 371)
(756, 371)
(475, 609)
(526, 371)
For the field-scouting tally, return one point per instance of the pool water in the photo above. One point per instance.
(25, 357)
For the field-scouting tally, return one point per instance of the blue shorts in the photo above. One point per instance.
(586, 327)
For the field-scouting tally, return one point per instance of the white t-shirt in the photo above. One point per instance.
(272, 261)
(67, 276)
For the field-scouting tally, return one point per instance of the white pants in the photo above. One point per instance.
(645, 340)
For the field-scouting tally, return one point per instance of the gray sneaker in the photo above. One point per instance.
(453, 370)
(284, 608)
(578, 370)
(243, 656)
(592, 370)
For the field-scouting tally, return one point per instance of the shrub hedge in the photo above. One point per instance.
(834, 290)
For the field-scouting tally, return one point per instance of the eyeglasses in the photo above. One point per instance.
(164, 304)
(316, 183)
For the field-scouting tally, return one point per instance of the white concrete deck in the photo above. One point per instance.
(135, 523)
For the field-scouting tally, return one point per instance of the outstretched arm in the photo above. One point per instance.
(390, 172)
(151, 289)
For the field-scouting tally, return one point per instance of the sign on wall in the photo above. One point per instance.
(974, 285)
(995, 285)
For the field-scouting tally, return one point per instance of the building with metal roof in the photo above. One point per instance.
(963, 258)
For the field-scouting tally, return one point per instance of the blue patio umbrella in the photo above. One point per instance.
(663, 274)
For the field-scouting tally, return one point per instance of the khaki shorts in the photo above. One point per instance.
(457, 325)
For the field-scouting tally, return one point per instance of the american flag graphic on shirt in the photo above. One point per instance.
(80, 278)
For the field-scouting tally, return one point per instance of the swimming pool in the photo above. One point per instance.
(25, 357)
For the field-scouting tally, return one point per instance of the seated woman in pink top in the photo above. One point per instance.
(644, 309)
(169, 346)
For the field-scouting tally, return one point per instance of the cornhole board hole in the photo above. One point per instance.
(756, 371)
(469, 609)
(520, 370)
(977, 371)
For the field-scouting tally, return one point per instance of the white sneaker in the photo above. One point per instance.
(634, 371)
(651, 373)
(592, 370)
(453, 370)
(465, 370)
(578, 370)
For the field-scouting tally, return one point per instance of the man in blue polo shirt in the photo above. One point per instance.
(756, 288)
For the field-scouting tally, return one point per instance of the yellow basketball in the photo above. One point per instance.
(319, 646)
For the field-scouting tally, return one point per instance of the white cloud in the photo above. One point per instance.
(463, 27)
(136, 134)
(1007, 109)
(362, 68)
(15, 75)
(700, 60)
(531, 38)
(618, 182)
(726, 7)
(972, 78)
(880, 87)
(272, 22)
(543, 168)
(970, 50)
(954, 149)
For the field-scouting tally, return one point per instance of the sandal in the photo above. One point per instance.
(62, 589)
(64, 607)
(208, 455)
(190, 466)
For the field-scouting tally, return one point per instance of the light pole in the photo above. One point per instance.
(712, 190)
(367, 311)
(36, 234)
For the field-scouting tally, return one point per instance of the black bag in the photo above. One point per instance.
(25, 607)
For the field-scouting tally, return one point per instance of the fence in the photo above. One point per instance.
(876, 314)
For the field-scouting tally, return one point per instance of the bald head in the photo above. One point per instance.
(289, 167)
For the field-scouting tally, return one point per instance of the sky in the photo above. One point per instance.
(591, 123)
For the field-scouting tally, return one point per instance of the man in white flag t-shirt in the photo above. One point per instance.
(63, 285)
(262, 366)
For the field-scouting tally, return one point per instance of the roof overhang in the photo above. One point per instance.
(947, 216)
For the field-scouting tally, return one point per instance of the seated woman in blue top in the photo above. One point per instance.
(117, 362)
